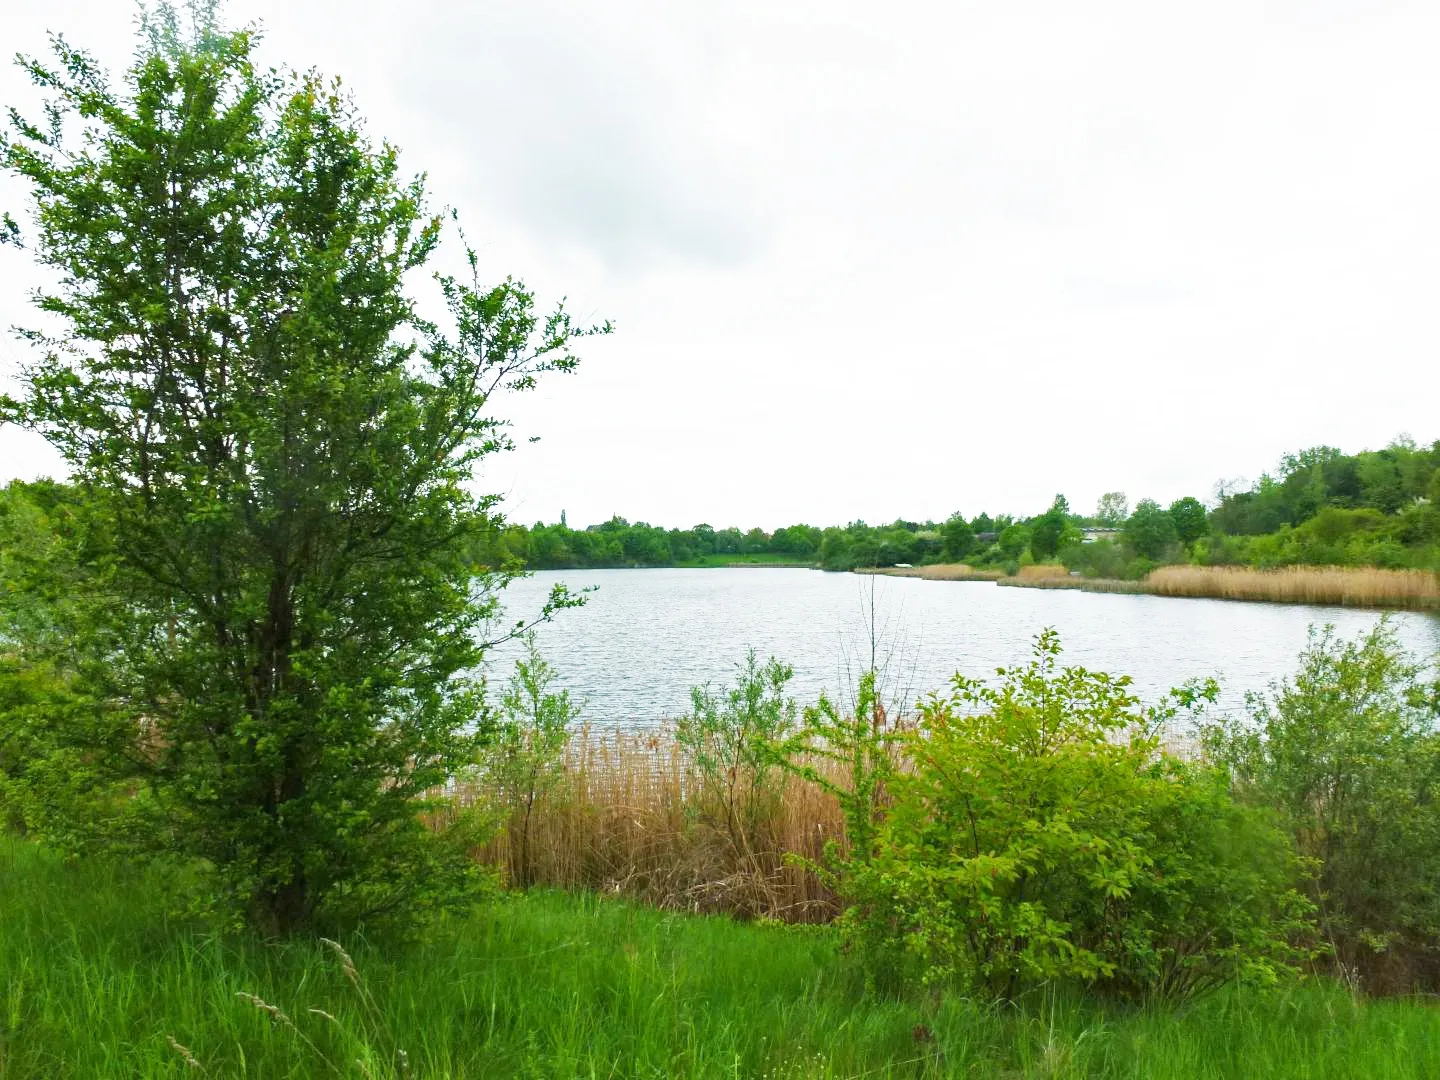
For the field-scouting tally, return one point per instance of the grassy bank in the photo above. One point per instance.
(96, 979)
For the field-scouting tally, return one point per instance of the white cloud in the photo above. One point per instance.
(947, 256)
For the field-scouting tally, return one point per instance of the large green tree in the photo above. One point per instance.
(1190, 518)
(1048, 529)
(958, 538)
(275, 455)
(1150, 531)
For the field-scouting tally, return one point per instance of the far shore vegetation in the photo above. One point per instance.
(1364, 527)
(263, 814)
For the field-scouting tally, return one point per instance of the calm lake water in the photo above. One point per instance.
(646, 636)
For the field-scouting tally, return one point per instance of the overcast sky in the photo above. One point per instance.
(869, 261)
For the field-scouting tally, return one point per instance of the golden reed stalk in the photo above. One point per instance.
(631, 817)
(1043, 572)
(937, 572)
(1361, 586)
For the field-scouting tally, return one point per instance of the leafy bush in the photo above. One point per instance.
(526, 761)
(728, 739)
(1099, 558)
(1040, 832)
(1347, 751)
(849, 755)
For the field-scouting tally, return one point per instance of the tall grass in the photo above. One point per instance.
(99, 981)
(1361, 586)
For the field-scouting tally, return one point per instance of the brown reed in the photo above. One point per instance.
(937, 572)
(1360, 586)
(632, 818)
(1108, 585)
(1043, 572)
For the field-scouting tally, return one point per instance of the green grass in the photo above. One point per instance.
(94, 976)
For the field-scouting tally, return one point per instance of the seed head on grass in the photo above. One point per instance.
(184, 1052)
(346, 963)
(276, 1014)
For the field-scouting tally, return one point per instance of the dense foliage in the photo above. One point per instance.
(268, 647)
(620, 543)
(736, 785)
(1348, 752)
(1038, 831)
(524, 764)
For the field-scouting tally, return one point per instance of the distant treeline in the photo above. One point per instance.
(1320, 507)
(618, 542)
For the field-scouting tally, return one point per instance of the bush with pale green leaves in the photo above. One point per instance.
(1039, 832)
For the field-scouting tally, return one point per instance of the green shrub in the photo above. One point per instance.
(1138, 567)
(1099, 559)
(1347, 751)
(1040, 833)
(526, 760)
(728, 739)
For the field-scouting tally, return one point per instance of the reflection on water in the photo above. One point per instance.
(646, 636)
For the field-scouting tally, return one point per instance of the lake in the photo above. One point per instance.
(645, 637)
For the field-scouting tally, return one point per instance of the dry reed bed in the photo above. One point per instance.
(1351, 586)
(936, 572)
(1360, 586)
(629, 818)
(1107, 585)
(1043, 572)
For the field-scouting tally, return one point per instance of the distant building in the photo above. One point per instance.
(1089, 536)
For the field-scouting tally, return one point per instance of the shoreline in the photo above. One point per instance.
(1370, 587)
(1326, 586)
(933, 572)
